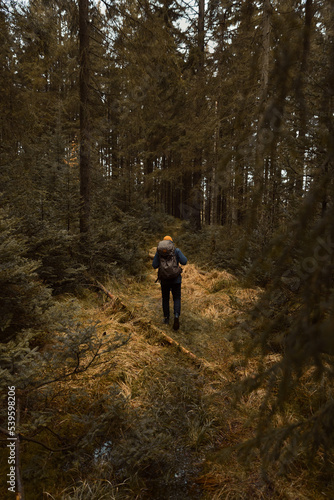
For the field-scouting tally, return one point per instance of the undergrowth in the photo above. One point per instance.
(152, 422)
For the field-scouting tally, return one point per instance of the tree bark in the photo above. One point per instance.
(266, 48)
(196, 194)
(201, 34)
(300, 95)
(85, 139)
(260, 192)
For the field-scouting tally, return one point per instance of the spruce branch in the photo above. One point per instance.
(21, 437)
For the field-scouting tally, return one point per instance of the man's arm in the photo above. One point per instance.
(156, 261)
(182, 259)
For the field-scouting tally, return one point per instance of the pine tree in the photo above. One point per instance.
(24, 299)
(297, 306)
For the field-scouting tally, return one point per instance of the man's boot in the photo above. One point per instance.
(176, 324)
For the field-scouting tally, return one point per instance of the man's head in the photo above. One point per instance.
(168, 238)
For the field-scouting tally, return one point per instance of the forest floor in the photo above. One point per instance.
(181, 391)
(182, 425)
(213, 304)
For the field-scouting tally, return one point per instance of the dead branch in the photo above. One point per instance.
(21, 437)
(109, 294)
(158, 333)
(114, 298)
(162, 336)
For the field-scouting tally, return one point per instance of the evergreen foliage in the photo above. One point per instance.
(220, 117)
(295, 317)
(24, 298)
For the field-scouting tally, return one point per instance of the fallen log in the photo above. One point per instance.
(109, 294)
(157, 332)
(116, 302)
(162, 336)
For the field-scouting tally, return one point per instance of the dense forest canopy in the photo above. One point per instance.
(119, 117)
(179, 112)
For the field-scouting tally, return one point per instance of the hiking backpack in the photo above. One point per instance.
(169, 268)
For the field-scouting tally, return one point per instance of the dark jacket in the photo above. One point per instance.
(181, 259)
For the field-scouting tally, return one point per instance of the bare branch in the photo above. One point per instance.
(21, 437)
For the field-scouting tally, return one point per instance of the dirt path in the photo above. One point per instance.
(180, 405)
(213, 304)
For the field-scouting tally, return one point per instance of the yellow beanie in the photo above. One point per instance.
(168, 238)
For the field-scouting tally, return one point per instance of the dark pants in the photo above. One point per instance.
(176, 292)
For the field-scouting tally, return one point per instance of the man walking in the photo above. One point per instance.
(167, 260)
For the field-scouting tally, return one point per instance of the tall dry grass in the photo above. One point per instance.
(178, 428)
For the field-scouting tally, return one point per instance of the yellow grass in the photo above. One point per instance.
(181, 426)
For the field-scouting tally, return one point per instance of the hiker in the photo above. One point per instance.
(167, 260)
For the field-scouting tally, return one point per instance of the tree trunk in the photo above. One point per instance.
(266, 48)
(148, 179)
(299, 181)
(196, 194)
(260, 193)
(85, 166)
(201, 34)
(327, 108)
